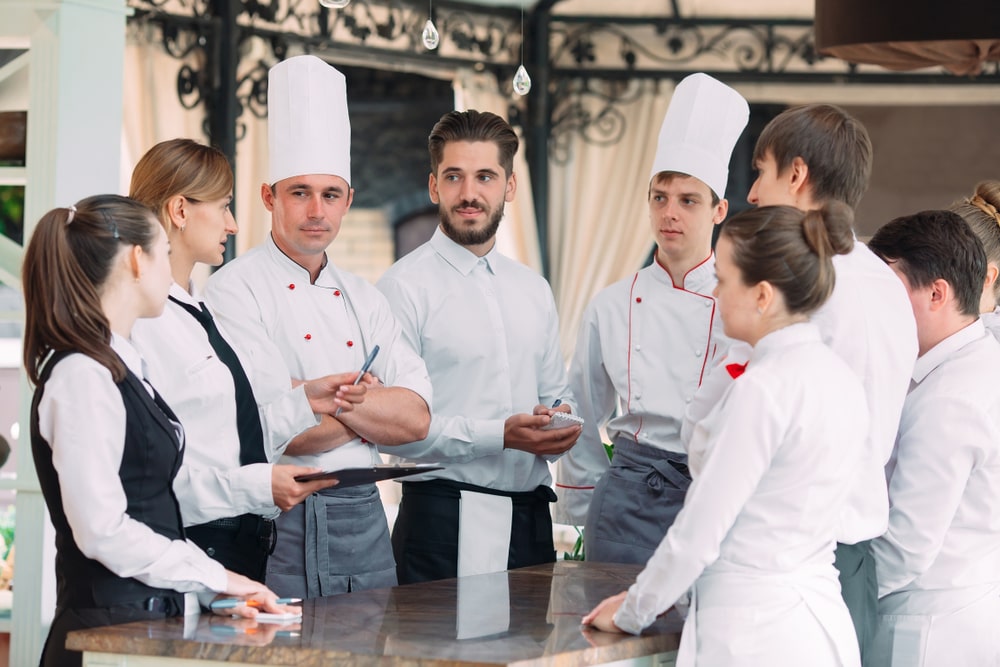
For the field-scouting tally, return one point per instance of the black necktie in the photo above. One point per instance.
(247, 416)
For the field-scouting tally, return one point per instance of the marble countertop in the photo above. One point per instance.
(524, 617)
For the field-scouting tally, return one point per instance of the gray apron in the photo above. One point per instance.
(634, 503)
(337, 541)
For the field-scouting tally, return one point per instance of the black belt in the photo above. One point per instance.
(264, 529)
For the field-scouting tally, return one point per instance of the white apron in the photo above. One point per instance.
(761, 619)
(945, 627)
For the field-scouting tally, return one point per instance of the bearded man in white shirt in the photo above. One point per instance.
(299, 316)
(939, 561)
(646, 342)
(487, 328)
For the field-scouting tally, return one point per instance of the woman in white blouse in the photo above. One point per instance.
(106, 447)
(237, 420)
(772, 464)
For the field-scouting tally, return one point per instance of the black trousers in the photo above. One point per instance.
(67, 619)
(242, 544)
(425, 536)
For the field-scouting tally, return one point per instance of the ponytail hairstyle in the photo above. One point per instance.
(982, 212)
(180, 167)
(792, 250)
(66, 265)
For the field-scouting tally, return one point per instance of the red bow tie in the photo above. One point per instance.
(736, 370)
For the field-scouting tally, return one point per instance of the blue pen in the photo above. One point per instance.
(364, 369)
(229, 603)
(557, 403)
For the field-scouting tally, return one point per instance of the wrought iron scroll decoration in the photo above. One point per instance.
(586, 53)
(483, 39)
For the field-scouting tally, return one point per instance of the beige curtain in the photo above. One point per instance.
(518, 234)
(598, 220)
(153, 113)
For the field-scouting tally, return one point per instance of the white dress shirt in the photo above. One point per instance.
(944, 527)
(199, 388)
(290, 328)
(992, 322)
(643, 348)
(770, 464)
(487, 329)
(82, 416)
(868, 321)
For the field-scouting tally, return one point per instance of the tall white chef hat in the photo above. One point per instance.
(308, 130)
(703, 122)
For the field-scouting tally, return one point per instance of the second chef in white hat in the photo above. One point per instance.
(301, 317)
(645, 342)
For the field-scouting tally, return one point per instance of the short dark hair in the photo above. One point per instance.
(833, 144)
(791, 249)
(935, 245)
(470, 126)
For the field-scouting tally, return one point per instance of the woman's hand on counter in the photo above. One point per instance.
(256, 596)
(602, 616)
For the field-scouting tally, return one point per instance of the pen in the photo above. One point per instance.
(229, 603)
(557, 403)
(364, 369)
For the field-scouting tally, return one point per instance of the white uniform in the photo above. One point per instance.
(868, 321)
(939, 563)
(292, 328)
(642, 351)
(198, 387)
(81, 391)
(771, 465)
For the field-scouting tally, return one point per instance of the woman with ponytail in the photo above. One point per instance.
(105, 445)
(772, 465)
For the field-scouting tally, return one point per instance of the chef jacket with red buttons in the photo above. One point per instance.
(293, 328)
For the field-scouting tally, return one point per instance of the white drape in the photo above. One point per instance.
(153, 113)
(518, 233)
(598, 220)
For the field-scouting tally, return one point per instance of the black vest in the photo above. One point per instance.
(150, 461)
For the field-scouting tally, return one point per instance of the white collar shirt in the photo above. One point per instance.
(643, 348)
(291, 328)
(944, 528)
(770, 465)
(82, 416)
(991, 321)
(487, 329)
(199, 388)
(868, 321)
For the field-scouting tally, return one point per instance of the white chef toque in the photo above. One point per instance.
(703, 122)
(308, 130)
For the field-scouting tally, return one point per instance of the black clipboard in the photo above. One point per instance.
(377, 473)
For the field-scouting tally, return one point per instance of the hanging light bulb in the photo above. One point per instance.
(335, 4)
(522, 82)
(430, 36)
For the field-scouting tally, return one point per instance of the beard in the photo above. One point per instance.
(468, 237)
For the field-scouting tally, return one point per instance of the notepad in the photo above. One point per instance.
(287, 617)
(376, 473)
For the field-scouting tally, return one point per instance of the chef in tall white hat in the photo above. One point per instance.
(645, 342)
(301, 317)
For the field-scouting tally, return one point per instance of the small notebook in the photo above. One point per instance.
(376, 473)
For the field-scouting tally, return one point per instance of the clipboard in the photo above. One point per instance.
(377, 473)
